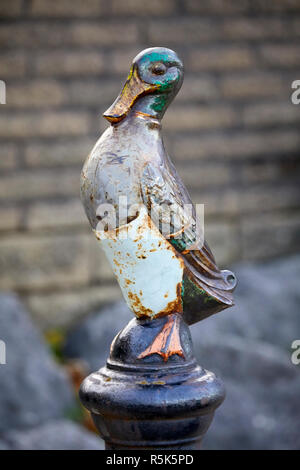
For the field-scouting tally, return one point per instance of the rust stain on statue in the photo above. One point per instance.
(175, 306)
(138, 307)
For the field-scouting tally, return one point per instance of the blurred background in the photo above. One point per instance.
(233, 134)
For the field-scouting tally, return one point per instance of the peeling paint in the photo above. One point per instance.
(151, 273)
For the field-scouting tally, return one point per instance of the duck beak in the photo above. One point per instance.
(132, 90)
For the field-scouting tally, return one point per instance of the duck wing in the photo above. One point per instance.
(171, 209)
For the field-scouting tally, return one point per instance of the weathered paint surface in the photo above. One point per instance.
(132, 89)
(151, 394)
(148, 269)
(129, 167)
(149, 403)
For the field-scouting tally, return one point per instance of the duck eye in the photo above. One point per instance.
(159, 69)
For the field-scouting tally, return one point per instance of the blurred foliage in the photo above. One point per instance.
(55, 339)
(76, 413)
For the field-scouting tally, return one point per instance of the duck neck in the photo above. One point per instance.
(154, 105)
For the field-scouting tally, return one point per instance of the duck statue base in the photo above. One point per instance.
(140, 401)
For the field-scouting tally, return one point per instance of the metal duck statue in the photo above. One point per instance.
(151, 394)
(162, 273)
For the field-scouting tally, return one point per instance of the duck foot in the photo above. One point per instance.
(167, 342)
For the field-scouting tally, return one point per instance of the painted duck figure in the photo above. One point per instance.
(161, 272)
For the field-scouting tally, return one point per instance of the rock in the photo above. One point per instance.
(33, 388)
(261, 407)
(64, 309)
(267, 301)
(54, 435)
(3, 446)
(249, 346)
(90, 340)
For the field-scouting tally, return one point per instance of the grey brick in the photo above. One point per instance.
(11, 8)
(223, 239)
(8, 156)
(217, 6)
(10, 218)
(105, 34)
(270, 235)
(200, 88)
(216, 203)
(66, 8)
(263, 198)
(100, 269)
(259, 172)
(136, 7)
(187, 30)
(281, 55)
(238, 145)
(256, 199)
(221, 58)
(204, 175)
(197, 117)
(46, 215)
(255, 28)
(277, 5)
(12, 65)
(82, 33)
(271, 114)
(43, 262)
(63, 309)
(91, 92)
(25, 185)
(36, 93)
(119, 60)
(252, 85)
(44, 124)
(67, 152)
(68, 63)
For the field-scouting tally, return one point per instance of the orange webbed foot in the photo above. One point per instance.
(167, 342)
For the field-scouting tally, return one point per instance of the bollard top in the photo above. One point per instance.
(130, 386)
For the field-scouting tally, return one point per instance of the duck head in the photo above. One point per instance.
(155, 78)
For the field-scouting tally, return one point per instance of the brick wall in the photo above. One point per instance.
(232, 132)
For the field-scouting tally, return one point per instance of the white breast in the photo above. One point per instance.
(146, 265)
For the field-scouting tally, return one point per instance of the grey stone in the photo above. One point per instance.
(3, 446)
(249, 346)
(267, 301)
(90, 340)
(33, 387)
(56, 435)
(261, 409)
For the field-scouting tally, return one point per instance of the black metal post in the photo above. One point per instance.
(150, 403)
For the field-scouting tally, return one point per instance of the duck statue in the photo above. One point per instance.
(142, 214)
(151, 393)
